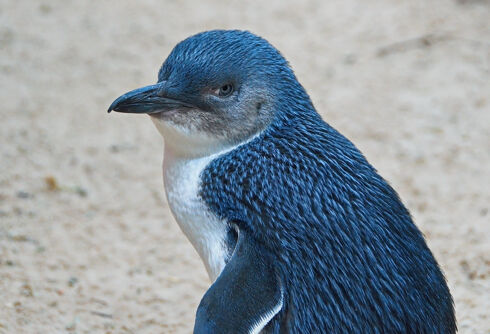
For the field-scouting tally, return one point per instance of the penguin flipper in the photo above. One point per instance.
(246, 295)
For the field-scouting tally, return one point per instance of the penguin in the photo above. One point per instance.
(297, 231)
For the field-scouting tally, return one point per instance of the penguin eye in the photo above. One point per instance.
(225, 90)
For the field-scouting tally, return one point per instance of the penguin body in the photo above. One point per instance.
(298, 232)
(347, 253)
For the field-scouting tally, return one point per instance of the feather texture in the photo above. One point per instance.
(351, 259)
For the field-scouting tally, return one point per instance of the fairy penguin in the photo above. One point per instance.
(298, 232)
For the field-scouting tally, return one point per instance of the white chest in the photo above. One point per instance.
(204, 230)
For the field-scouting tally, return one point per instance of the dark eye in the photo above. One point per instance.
(225, 90)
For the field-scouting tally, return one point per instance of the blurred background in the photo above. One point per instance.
(87, 243)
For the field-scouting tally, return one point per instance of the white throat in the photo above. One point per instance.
(187, 153)
(204, 230)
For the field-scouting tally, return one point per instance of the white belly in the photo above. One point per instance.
(204, 230)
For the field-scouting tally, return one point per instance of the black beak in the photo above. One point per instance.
(146, 100)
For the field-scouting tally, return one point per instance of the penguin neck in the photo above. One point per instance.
(182, 170)
(206, 232)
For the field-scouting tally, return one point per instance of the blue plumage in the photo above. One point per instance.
(350, 257)
(339, 251)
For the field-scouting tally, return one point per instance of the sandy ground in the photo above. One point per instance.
(87, 243)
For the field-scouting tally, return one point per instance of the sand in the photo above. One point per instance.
(87, 242)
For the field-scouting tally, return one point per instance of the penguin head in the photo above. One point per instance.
(216, 89)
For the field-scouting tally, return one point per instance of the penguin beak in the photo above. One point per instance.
(146, 100)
